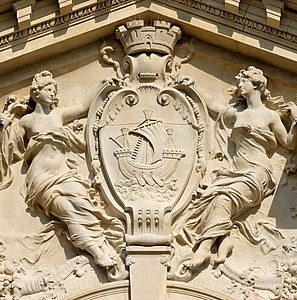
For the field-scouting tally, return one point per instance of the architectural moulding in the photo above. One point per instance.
(274, 11)
(69, 17)
(147, 164)
(160, 177)
(65, 6)
(232, 6)
(23, 10)
(248, 31)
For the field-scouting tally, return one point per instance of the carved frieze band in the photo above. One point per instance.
(72, 17)
(222, 14)
(88, 11)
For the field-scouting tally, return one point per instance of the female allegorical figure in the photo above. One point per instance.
(255, 131)
(52, 183)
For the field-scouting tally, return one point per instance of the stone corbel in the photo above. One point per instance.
(23, 10)
(65, 6)
(232, 6)
(274, 10)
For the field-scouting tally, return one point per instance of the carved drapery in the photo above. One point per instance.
(147, 202)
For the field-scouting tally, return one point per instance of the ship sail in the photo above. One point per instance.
(154, 132)
(154, 157)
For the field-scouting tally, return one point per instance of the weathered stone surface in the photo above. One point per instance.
(150, 164)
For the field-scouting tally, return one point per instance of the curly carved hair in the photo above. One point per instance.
(260, 82)
(39, 81)
(255, 76)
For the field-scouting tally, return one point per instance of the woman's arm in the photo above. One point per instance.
(5, 120)
(286, 139)
(11, 150)
(77, 111)
(214, 107)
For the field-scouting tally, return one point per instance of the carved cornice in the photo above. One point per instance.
(206, 9)
(236, 19)
(55, 23)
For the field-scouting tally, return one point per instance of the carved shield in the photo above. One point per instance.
(150, 145)
(147, 129)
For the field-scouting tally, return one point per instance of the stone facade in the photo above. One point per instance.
(148, 149)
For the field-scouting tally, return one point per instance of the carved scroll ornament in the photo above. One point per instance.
(147, 139)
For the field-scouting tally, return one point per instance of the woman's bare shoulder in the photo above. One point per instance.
(25, 119)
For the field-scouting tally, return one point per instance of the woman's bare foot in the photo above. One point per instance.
(224, 249)
(100, 257)
(202, 254)
(103, 260)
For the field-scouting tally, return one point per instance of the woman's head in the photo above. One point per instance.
(256, 76)
(41, 80)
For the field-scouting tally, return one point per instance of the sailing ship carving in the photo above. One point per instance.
(154, 157)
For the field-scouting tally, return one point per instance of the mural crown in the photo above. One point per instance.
(160, 38)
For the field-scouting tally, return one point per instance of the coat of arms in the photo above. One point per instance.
(147, 132)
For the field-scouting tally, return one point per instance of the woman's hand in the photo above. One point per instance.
(289, 109)
(5, 120)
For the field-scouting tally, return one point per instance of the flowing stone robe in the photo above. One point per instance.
(49, 176)
(235, 190)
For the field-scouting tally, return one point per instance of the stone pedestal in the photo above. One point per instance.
(146, 264)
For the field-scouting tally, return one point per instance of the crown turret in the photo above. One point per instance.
(160, 38)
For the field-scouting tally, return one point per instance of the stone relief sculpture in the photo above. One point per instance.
(16, 282)
(147, 146)
(136, 129)
(52, 184)
(254, 132)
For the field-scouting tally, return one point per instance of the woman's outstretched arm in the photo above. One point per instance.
(286, 139)
(77, 111)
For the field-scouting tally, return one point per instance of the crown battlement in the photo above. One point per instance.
(160, 38)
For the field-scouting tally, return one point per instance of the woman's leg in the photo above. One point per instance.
(84, 229)
(215, 222)
(224, 249)
(202, 254)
